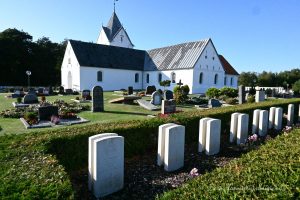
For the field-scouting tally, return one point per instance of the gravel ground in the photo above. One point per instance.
(145, 180)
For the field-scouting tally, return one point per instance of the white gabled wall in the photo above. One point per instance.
(209, 65)
(102, 39)
(70, 66)
(112, 79)
(121, 40)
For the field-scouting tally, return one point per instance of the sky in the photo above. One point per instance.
(253, 35)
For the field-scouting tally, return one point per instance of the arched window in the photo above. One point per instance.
(231, 81)
(173, 77)
(147, 78)
(136, 77)
(201, 78)
(159, 77)
(225, 80)
(216, 79)
(99, 76)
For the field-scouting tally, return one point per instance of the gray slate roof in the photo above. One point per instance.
(104, 56)
(181, 56)
(113, 26)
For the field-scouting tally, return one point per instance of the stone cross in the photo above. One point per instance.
(97, 102)
(180, 84)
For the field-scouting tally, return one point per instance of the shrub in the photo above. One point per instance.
(223, 97)
(296, 87)
(31, 117)
(231, 101)
(165, 83)
(229, 92)
(213, 93)
(181, 93)
(252, 91)
(185, 89)
(19, 100)
(250, 99)
(43, 98)
(0, 128)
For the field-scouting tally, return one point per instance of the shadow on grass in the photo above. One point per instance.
(126, 113)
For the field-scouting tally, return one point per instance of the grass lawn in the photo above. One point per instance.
(113, 112)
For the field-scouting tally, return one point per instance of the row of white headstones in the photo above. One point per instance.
(106, 150)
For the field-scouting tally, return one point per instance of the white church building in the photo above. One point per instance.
(113, 64)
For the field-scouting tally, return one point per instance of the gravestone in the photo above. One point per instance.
(17, 94)
(259, 96)
(290, 115)
(168, 94)
(46, 91)
(171, 147)
(147, 105)
(156, 98)
(40, 90)
(209, 136)
(31, 91)
(68, 91)
(233, 127)
(278, 119)
(50, 90)
(130, 90)
(255, 121)
(242, 94)
(168, 106)
(91, 159)
(214, 103)
(97, 100)
(242, 128)
(271, 117)
(108, 169)
(45, 112)
(263, 123)
(150, 89)
(86, 94)
(30, 99)
(61, 90)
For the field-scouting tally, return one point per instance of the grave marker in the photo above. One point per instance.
(255, 121)
(161, 143)
(130, 90)
(97, 101)
(30, 99)
(168, 94)
(156, 98)
(210, 132)
(233, 126)
(290, 115)
(259, 96)
(45, 112)
(150, 89)
(263, 123)
(271, 117)
(278, 119)
(168, 106)
(241, 94)
(242, 128)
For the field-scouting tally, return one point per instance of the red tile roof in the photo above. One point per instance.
(227, 66)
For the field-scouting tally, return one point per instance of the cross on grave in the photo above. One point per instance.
(180, 84)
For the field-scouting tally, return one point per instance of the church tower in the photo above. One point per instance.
(114, 34)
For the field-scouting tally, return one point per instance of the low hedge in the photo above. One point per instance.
(271, 172)
(37, 165)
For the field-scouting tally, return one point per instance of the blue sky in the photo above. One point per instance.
(254, 35)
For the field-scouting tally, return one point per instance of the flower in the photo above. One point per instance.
(253, 138)
(194, 172)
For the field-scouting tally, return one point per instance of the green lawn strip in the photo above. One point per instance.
(271, 172)
(40, 163)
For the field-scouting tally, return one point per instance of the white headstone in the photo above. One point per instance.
(278, 119)
(255, 121)
(91, 155)
(271, 117)
(290, 116)
(233, 126)
(108, 175)
(161, 143)
(213, 136)
(174, 147)
(242, 128)
(259, 96)
(263, 122)
(202, 134)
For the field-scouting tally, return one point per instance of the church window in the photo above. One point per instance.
(205, 57)
(213, 58)
(122, 38)
(99, 76)
(216, 79)
(173, 77)
(159, 77)
(231, 81)
(225, 80)
(136, 77)
(201, 78)
(147, 78)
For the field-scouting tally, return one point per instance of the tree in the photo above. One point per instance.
(165, 83)
(296, 87)
(213, 93)
(248, 79)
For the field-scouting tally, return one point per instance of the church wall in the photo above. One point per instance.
(112, 79)
(69, 66)
(209, 65)
(234, 81)
(118, 41)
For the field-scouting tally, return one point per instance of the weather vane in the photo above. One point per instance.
(115, 5)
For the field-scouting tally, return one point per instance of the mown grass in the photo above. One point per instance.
(40, 164)
(271, 172)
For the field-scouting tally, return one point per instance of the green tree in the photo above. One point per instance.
(296, 87)
(248, 79)
(213, 93)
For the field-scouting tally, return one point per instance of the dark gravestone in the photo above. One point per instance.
(213, 103)
(30, 99)
(150, 89)
(86, 94)
(45, 112)
(168, 106)
(130, 90)
(242, 94)
(31, 91)
(61, 90)
(168, 94)
(68, 91)
(97, 103)
(40, 90)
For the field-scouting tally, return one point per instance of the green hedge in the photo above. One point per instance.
(40, 164)
(271, 172)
